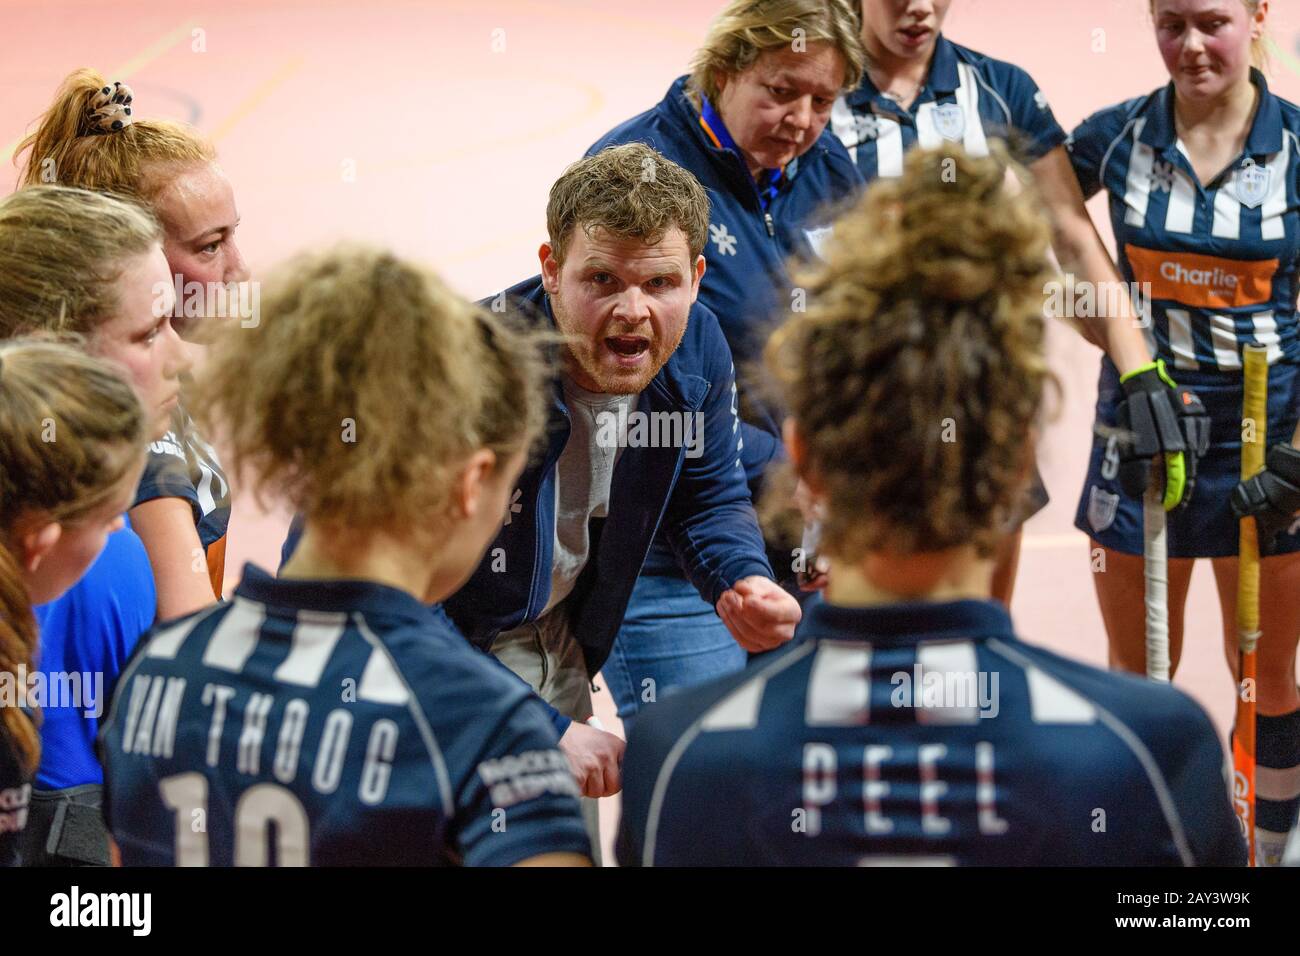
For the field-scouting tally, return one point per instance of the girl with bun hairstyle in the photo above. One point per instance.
(93, 137)
(83, 263)
(72, 436)
(915, 379)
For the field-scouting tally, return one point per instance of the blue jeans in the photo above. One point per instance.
(670, 639)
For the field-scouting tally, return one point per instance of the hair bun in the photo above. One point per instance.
(110, 109)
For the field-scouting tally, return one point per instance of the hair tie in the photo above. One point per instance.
(110, 109)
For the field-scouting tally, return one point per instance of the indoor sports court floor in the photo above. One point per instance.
(437, 126)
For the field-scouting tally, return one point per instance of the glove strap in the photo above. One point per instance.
(1284, 461)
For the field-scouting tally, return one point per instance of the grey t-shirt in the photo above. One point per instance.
(582, 479)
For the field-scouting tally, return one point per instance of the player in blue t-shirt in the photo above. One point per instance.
(72, 436)
(1203, 180)
(330, 717)
(922, 89)
(908, 723)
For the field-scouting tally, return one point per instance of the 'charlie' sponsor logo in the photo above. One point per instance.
(1202, 282)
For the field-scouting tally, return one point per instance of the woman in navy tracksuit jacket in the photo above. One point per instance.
(758, 221)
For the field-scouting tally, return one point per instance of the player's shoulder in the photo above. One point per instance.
(1110, 121)
(999, 74)
(728, 701)
(449, 678)
(1164, 719)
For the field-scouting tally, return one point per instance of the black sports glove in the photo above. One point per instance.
(1161, 418)
(1272, 496)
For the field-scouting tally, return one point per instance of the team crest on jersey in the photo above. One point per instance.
(1253, 181)
(1102, 506)
(817, 238)
(950, 121)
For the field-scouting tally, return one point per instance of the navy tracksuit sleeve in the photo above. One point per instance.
(710, 520)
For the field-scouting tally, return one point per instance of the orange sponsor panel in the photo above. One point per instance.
(1203, 282)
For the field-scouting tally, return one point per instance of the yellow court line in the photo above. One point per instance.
(131, 66)
(257, 97)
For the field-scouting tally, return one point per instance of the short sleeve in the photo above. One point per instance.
(520, 798)
(1036, 131)
(167, 474)
(1087, 147)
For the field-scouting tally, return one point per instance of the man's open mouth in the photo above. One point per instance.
(628, 346)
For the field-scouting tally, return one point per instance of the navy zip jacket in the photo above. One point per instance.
(703, 505)
(746, 284)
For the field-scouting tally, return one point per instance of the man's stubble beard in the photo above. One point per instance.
(582, 352)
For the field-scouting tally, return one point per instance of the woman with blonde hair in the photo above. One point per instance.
(1201, 177)
(909, 723)
(82, 263)
(921, 88)
(72, 440)
(94, 137)
(403, 454)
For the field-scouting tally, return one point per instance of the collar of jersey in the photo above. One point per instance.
(906, 623)
(942, 80)
(368, 597)
(1160, 132)
(711, 122)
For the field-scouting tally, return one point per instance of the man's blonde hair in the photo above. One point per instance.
(631, 192)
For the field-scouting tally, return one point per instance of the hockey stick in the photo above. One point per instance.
(1155, 574)
(1254, 427)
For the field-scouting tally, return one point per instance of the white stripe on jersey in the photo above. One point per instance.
(844, 127)
(1227, 210)
(1273, 783)
(418, 716)
(956, 658)
(165, 644)
(235, 637)
(380, 682)
(1266, 334)
(738, 710)
(1051, 702)
(1137, 192)
(968, 98)
(1223, 336)
(315, 635)
(889, 146)
(927, 134)
(1272, 225)
(1180, 338)
(1182, 202)
(1159, 786)
(762, 672)
(839, 688)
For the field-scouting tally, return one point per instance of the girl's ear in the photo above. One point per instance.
(37, 541)
(478, 469)
(798, 451)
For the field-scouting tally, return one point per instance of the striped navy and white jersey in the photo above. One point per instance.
(968, 98)
(925, 734)
(329, 723)
(1221, 257)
